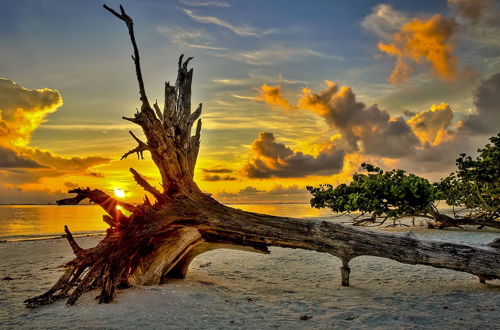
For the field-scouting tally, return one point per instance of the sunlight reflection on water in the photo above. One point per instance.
(19, 222)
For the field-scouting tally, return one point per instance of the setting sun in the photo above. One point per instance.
(119, 192)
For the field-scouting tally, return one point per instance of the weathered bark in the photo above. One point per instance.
(158, 241)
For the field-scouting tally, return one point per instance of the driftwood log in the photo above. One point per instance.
(157, 241)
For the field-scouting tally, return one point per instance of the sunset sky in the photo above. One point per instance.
(294, 93)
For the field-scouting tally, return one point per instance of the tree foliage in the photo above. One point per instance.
(476, 183)
(475, 186)
(388, 194)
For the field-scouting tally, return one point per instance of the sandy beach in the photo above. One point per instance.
(233, 289)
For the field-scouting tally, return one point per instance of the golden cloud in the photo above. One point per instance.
(273, 159)
(272, 95)
(316, 102)
(430, 125)
(369, 133)
(22, 111)
(430, 40)
(368, 129)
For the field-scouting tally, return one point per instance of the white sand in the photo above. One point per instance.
(245, 290)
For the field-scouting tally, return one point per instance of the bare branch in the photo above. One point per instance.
(130, 25)
(111, 10)
(183, 87)
(74, 245)
(170, 102)
(108, 203)
(198, 130)
(133, 120)
(184, 66)
(136, 138)
(158, 111)
(139, 149)
(194, 147)
(109, 220)
(192, 118)
(195, 115)
(147, 186)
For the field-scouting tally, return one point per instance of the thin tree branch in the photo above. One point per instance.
(133, 120)
(74, 245)
(147, 186)
(170, 102)
(130, 25)
(108, 203)
(194, 147)
(193, 117)
(158, 111)
(139, 149)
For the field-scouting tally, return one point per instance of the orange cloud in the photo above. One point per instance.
(368, 129)
(22, 111)
(362, 128)
(316, 102)
(430, 125)
(272, 95)
(430, 40)
(273, 159)
(49, 159)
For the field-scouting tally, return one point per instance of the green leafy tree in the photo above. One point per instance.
(377, 195)
(475, 186)
(380, 194)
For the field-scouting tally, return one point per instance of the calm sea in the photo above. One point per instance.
(29, 222)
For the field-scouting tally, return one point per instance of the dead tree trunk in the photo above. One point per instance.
(158, 241)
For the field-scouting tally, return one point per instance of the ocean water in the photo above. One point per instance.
(30, 222)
